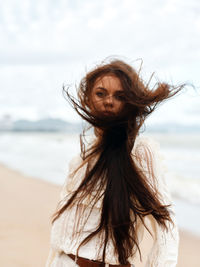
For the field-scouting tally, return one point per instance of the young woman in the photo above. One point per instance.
(115, 189)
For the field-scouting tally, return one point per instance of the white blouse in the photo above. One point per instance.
(164, 249)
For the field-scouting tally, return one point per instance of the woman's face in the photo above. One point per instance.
(107, 95)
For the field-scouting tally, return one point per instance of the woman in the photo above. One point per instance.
(115, 188)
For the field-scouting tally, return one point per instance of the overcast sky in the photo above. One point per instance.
(47, 43)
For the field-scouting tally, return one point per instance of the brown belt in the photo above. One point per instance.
(83, 262)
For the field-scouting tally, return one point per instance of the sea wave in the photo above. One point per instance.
(186, 188)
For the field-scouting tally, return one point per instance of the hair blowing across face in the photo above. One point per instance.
(126, 194)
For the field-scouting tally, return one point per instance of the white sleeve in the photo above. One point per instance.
(51, 256)
(164, 252)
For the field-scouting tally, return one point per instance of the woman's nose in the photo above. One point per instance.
(109, 100)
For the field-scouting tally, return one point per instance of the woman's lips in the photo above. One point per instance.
(108, 113)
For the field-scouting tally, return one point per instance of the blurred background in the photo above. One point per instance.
(45, 44)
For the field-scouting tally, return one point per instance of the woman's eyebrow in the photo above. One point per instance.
(120, 91)
(102, 88)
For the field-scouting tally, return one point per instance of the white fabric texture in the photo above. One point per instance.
(164, 251)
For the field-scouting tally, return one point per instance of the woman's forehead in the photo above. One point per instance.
(108, 81)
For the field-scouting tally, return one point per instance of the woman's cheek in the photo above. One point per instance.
(97, 104)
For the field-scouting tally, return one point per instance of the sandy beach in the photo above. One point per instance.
(26, 207)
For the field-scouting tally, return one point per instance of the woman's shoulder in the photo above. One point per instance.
(75, 161)
(72, 178)
(147, 152)
(145, 149)
(146, 142)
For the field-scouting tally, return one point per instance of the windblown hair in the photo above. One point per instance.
(124, 189)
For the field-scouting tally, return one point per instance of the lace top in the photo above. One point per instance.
(164, 250)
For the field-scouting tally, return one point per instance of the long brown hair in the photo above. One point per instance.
(124, 190)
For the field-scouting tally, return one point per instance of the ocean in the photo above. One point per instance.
(45, 155)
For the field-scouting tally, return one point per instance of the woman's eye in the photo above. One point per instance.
(120, 97)
(100, 94)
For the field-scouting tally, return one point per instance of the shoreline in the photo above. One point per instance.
(27, 204)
